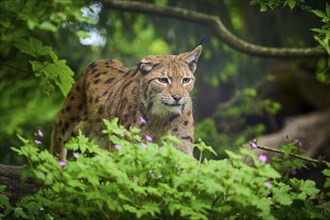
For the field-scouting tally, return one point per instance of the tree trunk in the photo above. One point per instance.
(16, 187)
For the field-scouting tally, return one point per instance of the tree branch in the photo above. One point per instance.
(307, 159)
(216, 25)
(312, 129)
(15, 68)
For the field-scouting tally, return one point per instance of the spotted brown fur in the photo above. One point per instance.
(154, 90)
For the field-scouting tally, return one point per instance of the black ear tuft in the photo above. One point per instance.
(201, 41)
(144, 67)
(138, 67)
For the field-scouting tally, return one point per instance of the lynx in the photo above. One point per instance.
(155, 96)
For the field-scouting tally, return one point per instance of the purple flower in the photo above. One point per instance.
(62, 163)
(268, 185)
(293, 171)
(286, 135)
(262, 158)
(254, 144)
(117, 147)
(142, 121)
(143, 145)
(298, 141)
(75, 155)
(148, 138)
(40, 133)
(37, 142)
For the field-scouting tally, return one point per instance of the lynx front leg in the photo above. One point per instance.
(57, 147)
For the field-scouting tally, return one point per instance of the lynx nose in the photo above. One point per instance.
(177, 97)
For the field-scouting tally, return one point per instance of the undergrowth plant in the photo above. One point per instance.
(138, 179)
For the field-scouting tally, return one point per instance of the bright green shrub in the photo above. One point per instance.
(140, 179)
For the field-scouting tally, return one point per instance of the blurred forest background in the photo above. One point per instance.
(238, 97)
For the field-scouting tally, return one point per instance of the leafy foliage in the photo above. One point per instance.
(29, 68)
(289, 164)
(323, 33)
(151, 181)
(56, 70)
(48, 17)
(323, 36)
(5, 206)
(265, 4)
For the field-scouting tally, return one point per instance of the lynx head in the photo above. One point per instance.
(167, 82)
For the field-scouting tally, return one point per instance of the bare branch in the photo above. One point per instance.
(15, 68)
(307, 159)
(216, 25)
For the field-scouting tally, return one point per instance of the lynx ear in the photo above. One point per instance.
(191, 57)
(144, 67)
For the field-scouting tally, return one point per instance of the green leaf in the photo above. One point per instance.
(268, 171)
(83, 34)
(319, 13)
(272, 106)
(19, 213)
(5, 206)
(302, 196)
(211, 150)
(327, 9)
(263, 7)
(291, 3)
(31, 23)
(25, 47)
(250, 92)
(327, 183)
(308, 187)
(281, 195)
(248, 152)
(60, 73)
(233, 155)
(46, 25)
(318, 30)
(32, 47)
(36, 67)
(24, 141)
(53, 55)
(326, 172)
(51, 70)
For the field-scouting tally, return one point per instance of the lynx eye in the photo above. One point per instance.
(163, 80)
(186, 80)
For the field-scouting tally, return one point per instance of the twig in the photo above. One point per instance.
(307, 159)
(235, 97)
(15, 68)
(230, 102)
